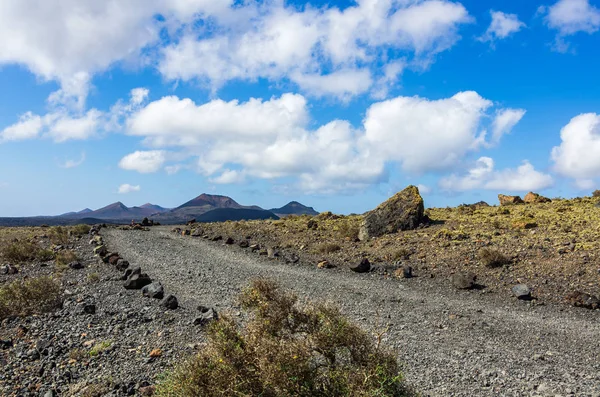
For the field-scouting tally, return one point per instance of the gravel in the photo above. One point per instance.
(453, 343)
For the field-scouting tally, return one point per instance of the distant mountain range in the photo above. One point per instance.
(204, 208)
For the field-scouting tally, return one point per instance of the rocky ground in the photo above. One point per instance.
(108, 340)
(553, 248)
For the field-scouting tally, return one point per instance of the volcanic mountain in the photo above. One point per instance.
(293, 208)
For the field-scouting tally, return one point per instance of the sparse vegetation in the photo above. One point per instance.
(328, 248)
(63, 258)
(100, 347)
(286, 350)
(80, 230)
(22, 251)
(93, 277)
(401, 254)
(492, 258)
(29, 296)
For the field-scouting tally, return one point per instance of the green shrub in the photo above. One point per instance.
(29, 296)
(285, 350)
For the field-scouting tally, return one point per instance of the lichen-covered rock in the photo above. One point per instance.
(404, 211)
(534, 198)
(509, 200)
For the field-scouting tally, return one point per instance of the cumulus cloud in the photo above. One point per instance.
(61, 124)
(505, 121)
(577, 155)
(273, 139)
(127, 188)
(318, 49)
(74, 163)
(483, 175)
(143, 161)
(426, 135)
(502, 26)
(569, 17)
(73, 41)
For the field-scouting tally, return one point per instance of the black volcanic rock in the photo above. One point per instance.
(294, 208)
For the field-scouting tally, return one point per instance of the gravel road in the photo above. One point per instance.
(453, 343)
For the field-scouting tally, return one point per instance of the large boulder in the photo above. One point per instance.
(404, 211)
(509, 200)
(534, 198)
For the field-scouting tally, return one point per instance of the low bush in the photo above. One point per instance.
(80, 230)
(492, 258)
(29, 296)
(23, 251)
(59, 235)
(63, 258)
(285, 350)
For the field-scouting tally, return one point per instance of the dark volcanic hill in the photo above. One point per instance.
(156, 208)
(211, 200)
(202, 204)
(294, 208)
(235, 214)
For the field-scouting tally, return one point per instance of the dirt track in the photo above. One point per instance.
(454, 343)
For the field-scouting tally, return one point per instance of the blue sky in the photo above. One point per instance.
(334, 104)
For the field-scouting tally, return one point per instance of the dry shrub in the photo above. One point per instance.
(286, 350)
(80, 230)
(349, 229)
(401, 254)
(328, 248)
(596, 193)
(59, 235)
(63, 258)
(23, 251)
(29, 296)
(492, 258)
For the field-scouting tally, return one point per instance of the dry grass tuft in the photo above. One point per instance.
(23, 251)
(286, 351)
(63, 258)
(29, 296)
(492, 258)
(328, 248)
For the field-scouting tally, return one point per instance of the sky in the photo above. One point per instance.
(336, 104)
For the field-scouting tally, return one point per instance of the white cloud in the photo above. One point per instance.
(173, 169)
(505, 121)
(272, 139)
(173, 121)
(58, 125)
(74, 163)
(127, 188)
(573, 16)
(424, 189)
(502, 26)
(70, 41)
(483, 176)
(426, 135)
(29, 126)
(343, 84)
(228, 177)
(143, 161)
(578, 155)
(318, 49)
(569, 17)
